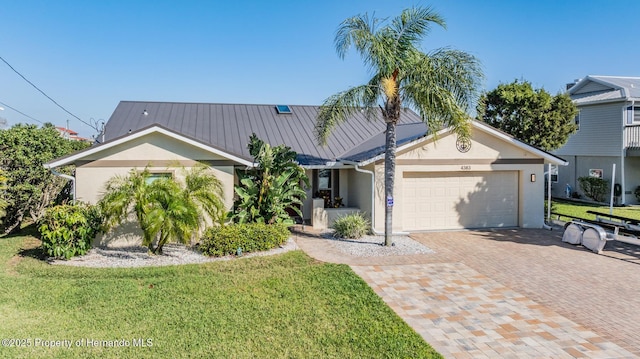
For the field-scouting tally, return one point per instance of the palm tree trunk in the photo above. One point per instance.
(389, 177)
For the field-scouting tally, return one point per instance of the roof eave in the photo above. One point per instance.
(63, 161)
(548, 157)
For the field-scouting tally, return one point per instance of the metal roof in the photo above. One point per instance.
(619, 88)
(405, 133)
(228, 126)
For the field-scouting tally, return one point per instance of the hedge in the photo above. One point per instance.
(246, 237)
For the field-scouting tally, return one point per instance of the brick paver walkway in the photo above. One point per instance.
(508, 293)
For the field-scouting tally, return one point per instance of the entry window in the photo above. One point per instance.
(324, 179)
(326, 186)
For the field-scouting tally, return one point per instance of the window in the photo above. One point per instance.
(326, 185)
(633, 115)
(554, 173)
(324, 179)
(158, 175)
(576, 120)
(595, 172)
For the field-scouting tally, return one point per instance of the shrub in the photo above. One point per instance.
(636, 193)
(67, 230)
(594, 187)
(249, 237)
(351, 226)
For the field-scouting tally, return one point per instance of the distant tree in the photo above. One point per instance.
(31, 188)
(439, 85)
(532, 116)
(266, 192)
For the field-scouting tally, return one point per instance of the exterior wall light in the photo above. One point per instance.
(533, 177)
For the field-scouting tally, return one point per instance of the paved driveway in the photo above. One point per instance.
(509, 293)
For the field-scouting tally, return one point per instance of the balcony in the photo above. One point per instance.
(632, 137)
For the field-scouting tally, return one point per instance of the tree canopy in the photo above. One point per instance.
(31, 188)
(530, 115)
(440, 85)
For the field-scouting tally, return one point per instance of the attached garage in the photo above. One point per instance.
(455, 200)
(442, 182)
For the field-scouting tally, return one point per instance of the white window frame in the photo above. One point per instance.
(554, 173)
(632, 114)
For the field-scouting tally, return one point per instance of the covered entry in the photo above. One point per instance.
(455, 200)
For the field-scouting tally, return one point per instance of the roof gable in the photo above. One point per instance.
(487, 142)
(106, 149)
(593, 89)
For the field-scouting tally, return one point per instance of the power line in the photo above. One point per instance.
(20, 112)
(45, 95)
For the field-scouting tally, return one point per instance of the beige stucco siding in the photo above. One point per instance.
(487, 154)
(160, 153)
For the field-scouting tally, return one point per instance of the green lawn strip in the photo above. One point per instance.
(577, 209)
(281, 306)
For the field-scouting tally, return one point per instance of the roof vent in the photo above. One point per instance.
(283, 109)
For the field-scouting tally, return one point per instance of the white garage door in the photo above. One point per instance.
(454, 200)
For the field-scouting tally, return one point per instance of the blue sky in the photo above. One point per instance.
(89, 55)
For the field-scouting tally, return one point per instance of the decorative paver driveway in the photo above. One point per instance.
(509, 293)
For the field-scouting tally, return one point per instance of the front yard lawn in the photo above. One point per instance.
(284, 306)
(579, 209)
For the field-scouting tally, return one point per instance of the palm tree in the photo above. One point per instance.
(165, 209)
(440, 85)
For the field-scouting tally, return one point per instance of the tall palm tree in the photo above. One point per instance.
(440, 85)
(165, 209)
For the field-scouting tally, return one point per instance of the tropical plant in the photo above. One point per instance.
(532, 116)
(353, 225)
(165, 209)
(440, 85)
(594, 187)
(31, 188)
(67, 230)
(267, 191)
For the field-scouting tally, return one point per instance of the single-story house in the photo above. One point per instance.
(441, 182)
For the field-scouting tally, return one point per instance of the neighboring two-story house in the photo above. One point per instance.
(608, 132)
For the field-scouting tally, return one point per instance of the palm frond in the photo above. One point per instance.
(413, 24)
(339, 107)
(442, 86)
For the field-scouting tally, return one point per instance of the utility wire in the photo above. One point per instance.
(45, 95)
(20, 112)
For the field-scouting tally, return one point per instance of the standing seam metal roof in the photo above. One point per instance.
(228, 127)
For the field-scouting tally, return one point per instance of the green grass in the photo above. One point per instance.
(578, 209)
(284, 306)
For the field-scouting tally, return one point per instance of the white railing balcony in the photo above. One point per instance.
(632, 137)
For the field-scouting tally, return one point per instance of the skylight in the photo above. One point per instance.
(283, 109)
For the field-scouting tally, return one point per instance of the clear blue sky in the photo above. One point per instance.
(89, 55)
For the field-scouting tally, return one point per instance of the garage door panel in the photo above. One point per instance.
(460, 200)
